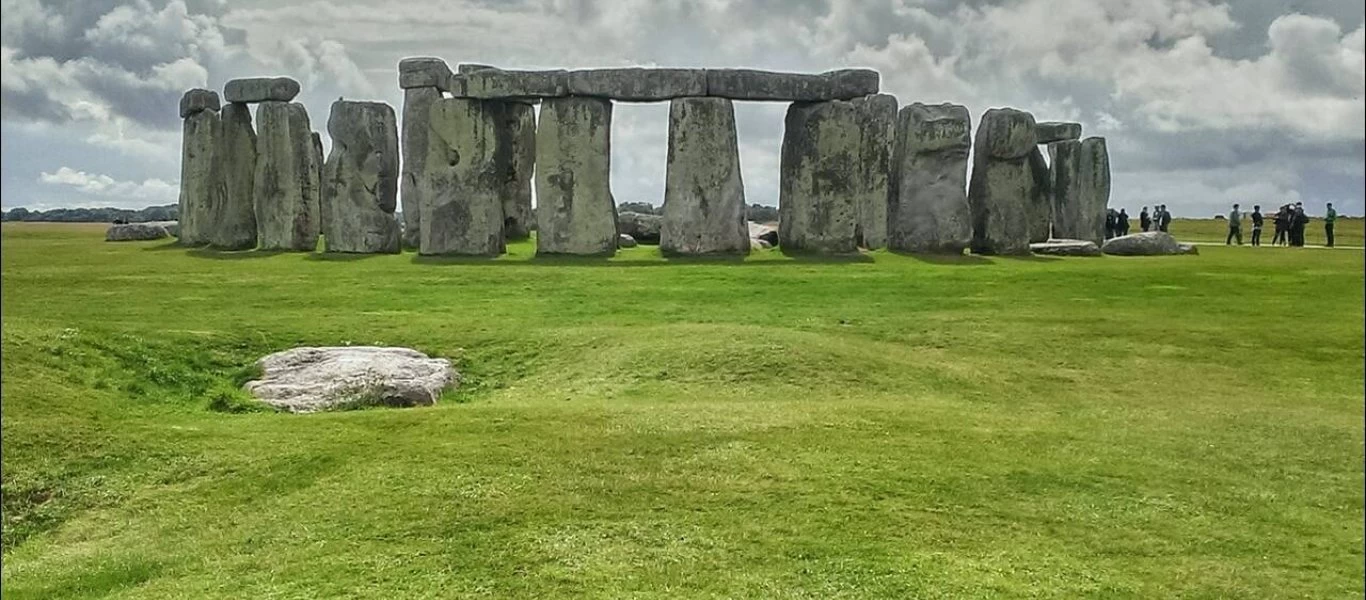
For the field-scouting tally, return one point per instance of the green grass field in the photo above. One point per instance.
(1347, 231)
(886, 427)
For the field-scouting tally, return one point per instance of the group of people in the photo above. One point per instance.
(1117, 222)
(1289, 221)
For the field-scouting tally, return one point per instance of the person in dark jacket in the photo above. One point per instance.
(1122, 223)
(1298, 221)
(1144, 220)
(1282, 223)
(1165, 222)
(1256, 225)
(1109, 223)
(1329, 218)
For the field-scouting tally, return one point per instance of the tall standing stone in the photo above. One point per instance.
(201, 181)
(878, 129)
(930, 211)
(287, 186)
(704, 195)
(234, 222)
(575, 213)
(462, 207)
(1039, 202)
(1002, 182)
(818, 187)
(360, 179)
(517, 126)
(417, 109)
(1079, 180)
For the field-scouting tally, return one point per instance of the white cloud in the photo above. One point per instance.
(113, 192)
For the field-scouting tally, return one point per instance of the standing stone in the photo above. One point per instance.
(818, 187)
(877, 115)
(197, 100)
(287, 186)
(1002, 182)
(930, 211)
(201, 180)
(1040, 202)
(360, 179)
(417, 110)
(462, 208)
(517, 130)
(575, 212)
(1079, 182)
(704, 196)
(234, 225)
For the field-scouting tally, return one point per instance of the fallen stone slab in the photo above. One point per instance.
(625, 241)
(423, 72)
(752, 84)
(1147, 243)
(261, 89)
(929, 210)
(766, 233)
(646, 229)
(197, 100)
(1047, 132)
(1066, 248)
(132, 232)
(638, 84)
(305, 380)
(172, 227)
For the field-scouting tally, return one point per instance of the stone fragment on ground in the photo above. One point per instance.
(1066, 248)
(130, 232)
(314, 379)
(1148, 243)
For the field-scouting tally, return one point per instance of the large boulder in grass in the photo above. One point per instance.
(1148, 243)
(1066, 248)
(130, 232)
(644, 228)
(304, 380)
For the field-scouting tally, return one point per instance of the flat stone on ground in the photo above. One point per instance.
(130, 232)
(305, 380)
(1147, 243)
(1066, 248)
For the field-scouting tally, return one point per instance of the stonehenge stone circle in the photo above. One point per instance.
(1002, 182)
(201, 180)
(517, 138)
(704, 196)
(749, 84)
(261, 89)
(877, 124)
(576, 213)
(417, 109)
(234, 220)
(1047, 132)
(423, 72)
(360, 179)
(286, 187)
(1079, 187)
(1039, 203)
(462, 206)
(637, 84)
(817, 189)
(197, 100)
(930, 211)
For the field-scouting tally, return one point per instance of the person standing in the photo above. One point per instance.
(1144, 220)
(1109, 223)
(1328, 219)
(1166, 220)
(1123, 222)
(1257, 225)
(1298, 221)
(1235, 226)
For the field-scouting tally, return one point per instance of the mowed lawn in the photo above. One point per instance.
(883, 427)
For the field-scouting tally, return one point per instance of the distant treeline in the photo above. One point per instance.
(169, 212)
(754, 212)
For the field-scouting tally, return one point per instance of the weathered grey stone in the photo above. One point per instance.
(763, 232)
(750, 84)
(625, 241)
(234, 220)
(1047, 132)
(1188, 248)
(1039, 203)
(172, 227)
(499, 84)
(462, 207)
(261, 89)
(877, 122)
(1147, 243)
(1002, 183)
(704, 196)
(304, 380)
(644, 228)
(756, 244)
(1079, 186)
(517, 131)
(1066, 248)
(423, 72)
(360, 179)
(201, 179)
(818, 187)
(197, 100)
(130, 232)
(930, 211)
(636, 84)
(576, 213)
(286, 187)
(417, 118)
(464, 68)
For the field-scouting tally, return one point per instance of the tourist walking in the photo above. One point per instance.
(1122, 224)
(1165, 220)
(1144, 220)
(1256, 225)
(1235, 226)
(1328, 219)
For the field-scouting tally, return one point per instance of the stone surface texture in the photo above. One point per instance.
(196, 100)
(1147, 243)
(234, 219)
(1066, 248)
(929, 212)
(360, 179)
(423, 72)
(417, 110)
(704, 195)
(1079, 188)
(261, 89)
(130, 232)
(1039, 204)
(625, 241)
(818, 187)
(462, 206)
(644, 228)
(517, 132)
(576, 214)
(1047, 132)
(305, 380)
(877, 123)
(201, 179)
(1002, 183)
(286, 188)
(636, 84)
(751, 84)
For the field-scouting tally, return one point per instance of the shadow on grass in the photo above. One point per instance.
(235, 254)
(1030, 258)
(345, 256)
(653, 260)
(961, 260)
(162, 247)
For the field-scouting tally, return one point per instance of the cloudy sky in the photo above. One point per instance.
(1203, 103)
